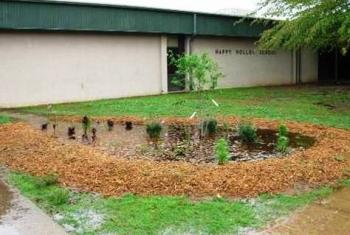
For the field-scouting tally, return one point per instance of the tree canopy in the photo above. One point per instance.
(316, 24)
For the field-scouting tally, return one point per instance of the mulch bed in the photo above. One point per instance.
(24, 149)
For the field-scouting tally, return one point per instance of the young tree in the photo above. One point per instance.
(201, 73)
(316, 24)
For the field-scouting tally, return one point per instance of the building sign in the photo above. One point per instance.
(248, 52)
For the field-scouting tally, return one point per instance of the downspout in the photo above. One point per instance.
(298, 65)
(336, 73)
(194, 32)
(190, 41)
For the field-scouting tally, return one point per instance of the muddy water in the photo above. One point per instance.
(119, 141)
(327, 217)
(177, 143)
(5, 199)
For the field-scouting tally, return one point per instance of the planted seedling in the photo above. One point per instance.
(110, 125)
(128, 126)
(153, 130)
(51, 116)
(71, 133)
(44, 126)
(86, 123)
(94, 136)
(222, 151)
(283, 130)
(247, 132)
(282, 139)
(282, 144)
(54, 126)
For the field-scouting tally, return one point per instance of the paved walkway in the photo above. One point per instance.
(328, 217)
(19, 216)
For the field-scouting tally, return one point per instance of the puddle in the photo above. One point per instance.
(5, 198)
(328, 216)
(177, 142)
(343, 106)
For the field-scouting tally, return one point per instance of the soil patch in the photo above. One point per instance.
(88, 168)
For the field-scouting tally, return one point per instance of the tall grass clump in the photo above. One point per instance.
(58, 196)
(47, 180)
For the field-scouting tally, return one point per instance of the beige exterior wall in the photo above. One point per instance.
(242, 68)
(41, 68)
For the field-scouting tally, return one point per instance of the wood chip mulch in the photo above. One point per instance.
(24, 149)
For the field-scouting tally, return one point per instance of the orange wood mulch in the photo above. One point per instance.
(24, 149)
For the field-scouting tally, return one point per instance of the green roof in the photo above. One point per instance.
(68, 16)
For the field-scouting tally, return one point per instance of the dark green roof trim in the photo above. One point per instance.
(64, 16)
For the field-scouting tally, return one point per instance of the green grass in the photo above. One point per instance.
(4, 119)
(154, 215)
(281, 103)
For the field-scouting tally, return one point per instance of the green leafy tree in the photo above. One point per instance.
(200, 70)
(315, 24)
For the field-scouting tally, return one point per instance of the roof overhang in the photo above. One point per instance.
(68, 16)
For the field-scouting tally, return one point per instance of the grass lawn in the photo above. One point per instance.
(91, 214)
(4, 119)
(315, 104)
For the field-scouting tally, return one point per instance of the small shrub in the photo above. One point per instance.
(110, 125)
(128, 126)
(247, 132)
(94, 135)
(209, 126)
(47, 180)
(283, 130)
(153, 130)
(282, 144)
(71, 133)
(58, 197)
(222, 151)
(44, 126)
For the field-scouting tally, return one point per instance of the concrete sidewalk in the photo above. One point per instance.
(22, 217)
